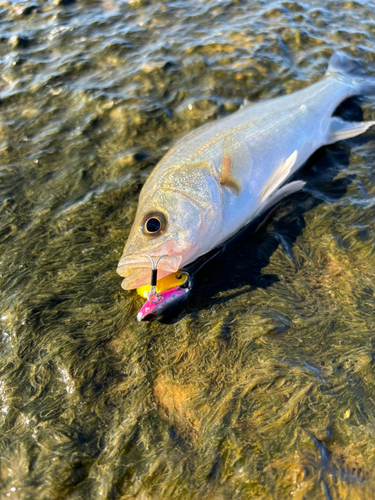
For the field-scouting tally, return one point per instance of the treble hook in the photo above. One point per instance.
(154, 296)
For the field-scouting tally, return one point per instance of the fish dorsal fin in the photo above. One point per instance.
(279, 176)
(246, 103)
(236, 164)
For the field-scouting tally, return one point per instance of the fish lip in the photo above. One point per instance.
(169, 263)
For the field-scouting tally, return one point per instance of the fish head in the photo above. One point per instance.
(170, 223)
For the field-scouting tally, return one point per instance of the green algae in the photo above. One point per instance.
(262, 385)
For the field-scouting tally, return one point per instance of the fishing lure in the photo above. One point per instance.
(163, 294)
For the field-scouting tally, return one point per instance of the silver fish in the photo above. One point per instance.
(224, 174)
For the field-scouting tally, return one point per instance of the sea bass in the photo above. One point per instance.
(222, 175)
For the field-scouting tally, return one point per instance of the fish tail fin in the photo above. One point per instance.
(353, 72)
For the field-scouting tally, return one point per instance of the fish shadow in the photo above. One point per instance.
(236, 267)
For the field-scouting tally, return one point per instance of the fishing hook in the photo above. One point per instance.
(154, 296)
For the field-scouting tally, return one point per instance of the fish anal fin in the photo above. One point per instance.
(225, 177)
(340, 129)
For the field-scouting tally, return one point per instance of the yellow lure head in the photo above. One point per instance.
(170, 281)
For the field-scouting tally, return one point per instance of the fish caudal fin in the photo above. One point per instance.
(354, 73)
(340, 129)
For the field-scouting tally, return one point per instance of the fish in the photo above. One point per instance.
(224, 174)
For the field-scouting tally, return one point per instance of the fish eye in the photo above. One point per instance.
(153, 224)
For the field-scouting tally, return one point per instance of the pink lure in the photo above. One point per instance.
(150, 311)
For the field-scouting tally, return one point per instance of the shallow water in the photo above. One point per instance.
(262, 385)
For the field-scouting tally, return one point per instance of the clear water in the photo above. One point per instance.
(262, 385)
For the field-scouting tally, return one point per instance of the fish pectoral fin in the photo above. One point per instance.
(236, 164)
(283, 192)
(226, 178)
(339, 129)
(279, 176)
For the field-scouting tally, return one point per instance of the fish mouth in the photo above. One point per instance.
(136, 268)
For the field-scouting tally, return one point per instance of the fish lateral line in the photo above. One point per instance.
(242, 126)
